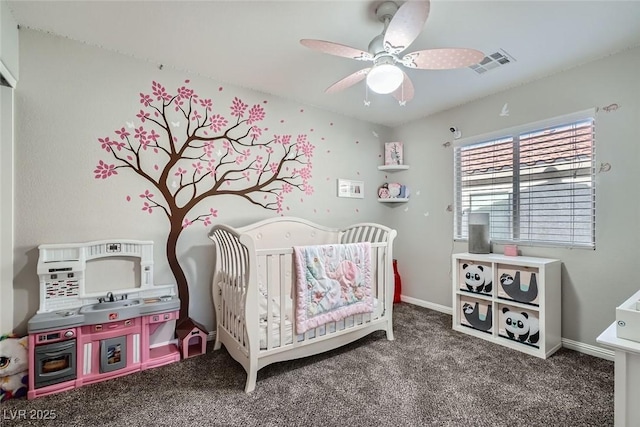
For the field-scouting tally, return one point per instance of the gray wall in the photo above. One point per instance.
(593, 282)
(85, 92)
(71, 94)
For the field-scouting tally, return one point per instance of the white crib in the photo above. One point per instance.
(252, 290)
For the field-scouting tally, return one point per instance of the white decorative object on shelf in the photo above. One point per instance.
(511, 301)
(394, 189)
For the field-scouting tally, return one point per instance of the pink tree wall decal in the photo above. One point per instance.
(188, 153)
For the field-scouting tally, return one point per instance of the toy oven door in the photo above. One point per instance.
(113, 354)
(55, 363)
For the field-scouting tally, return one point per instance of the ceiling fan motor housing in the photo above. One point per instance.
(377, 45)
(386, 11)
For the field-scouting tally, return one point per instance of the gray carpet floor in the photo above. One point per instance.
(429, 376)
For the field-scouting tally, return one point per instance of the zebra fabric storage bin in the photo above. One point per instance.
(476, 313)
(518, 283)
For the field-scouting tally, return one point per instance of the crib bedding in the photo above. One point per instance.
(332, 282)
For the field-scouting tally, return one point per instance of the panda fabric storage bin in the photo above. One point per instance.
(519, 325)
(476, 313)
(518, 283)
(476, 277)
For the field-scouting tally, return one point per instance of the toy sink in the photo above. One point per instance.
(111, 306)
(628, 318)
(112, 310)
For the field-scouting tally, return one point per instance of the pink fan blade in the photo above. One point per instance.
(337, 49)
(406, 25)
(348, 81)
(442, 59)
(405, 92)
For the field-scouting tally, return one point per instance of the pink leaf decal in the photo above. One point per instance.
(128, 198)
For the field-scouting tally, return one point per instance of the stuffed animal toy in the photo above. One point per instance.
(14, 365)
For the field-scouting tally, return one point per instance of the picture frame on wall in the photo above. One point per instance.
(350, 188)
(393, 153)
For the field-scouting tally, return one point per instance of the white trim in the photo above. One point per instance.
(7, 207)
(426, 304)
(6, 74)
(580, 347)
(589, 349)
(527, 127)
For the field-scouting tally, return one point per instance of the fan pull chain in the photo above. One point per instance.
(402, 102)
(366, 96)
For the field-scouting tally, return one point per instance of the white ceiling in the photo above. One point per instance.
(255, 44)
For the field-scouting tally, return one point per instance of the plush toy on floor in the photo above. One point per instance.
(14, 365)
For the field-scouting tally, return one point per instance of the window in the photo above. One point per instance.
(536, 182)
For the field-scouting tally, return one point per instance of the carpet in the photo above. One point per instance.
(429, 376)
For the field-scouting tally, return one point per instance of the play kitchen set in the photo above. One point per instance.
(83, 333)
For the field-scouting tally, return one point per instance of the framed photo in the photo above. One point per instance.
(349, 188)
(393, 153)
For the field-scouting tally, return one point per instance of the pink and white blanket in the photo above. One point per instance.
(332, 282)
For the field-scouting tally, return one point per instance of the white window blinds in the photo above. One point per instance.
(537, 185)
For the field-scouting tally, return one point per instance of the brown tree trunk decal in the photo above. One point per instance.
(176, 269)
(189, 153)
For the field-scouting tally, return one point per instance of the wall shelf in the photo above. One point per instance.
(393, 168)
(394, 200)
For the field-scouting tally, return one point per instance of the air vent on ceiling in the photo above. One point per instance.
(491, 61)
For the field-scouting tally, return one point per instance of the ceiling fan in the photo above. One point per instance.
(402, 25)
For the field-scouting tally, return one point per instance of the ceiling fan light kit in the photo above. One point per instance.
(402, 25)
(384, 78)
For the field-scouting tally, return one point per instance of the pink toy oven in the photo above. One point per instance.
(52, 363)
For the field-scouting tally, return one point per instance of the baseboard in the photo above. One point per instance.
(591, 350)
(426, 304)
(580, 347)
(211, 336)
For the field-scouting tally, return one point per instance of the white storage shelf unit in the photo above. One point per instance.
(513, 301)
